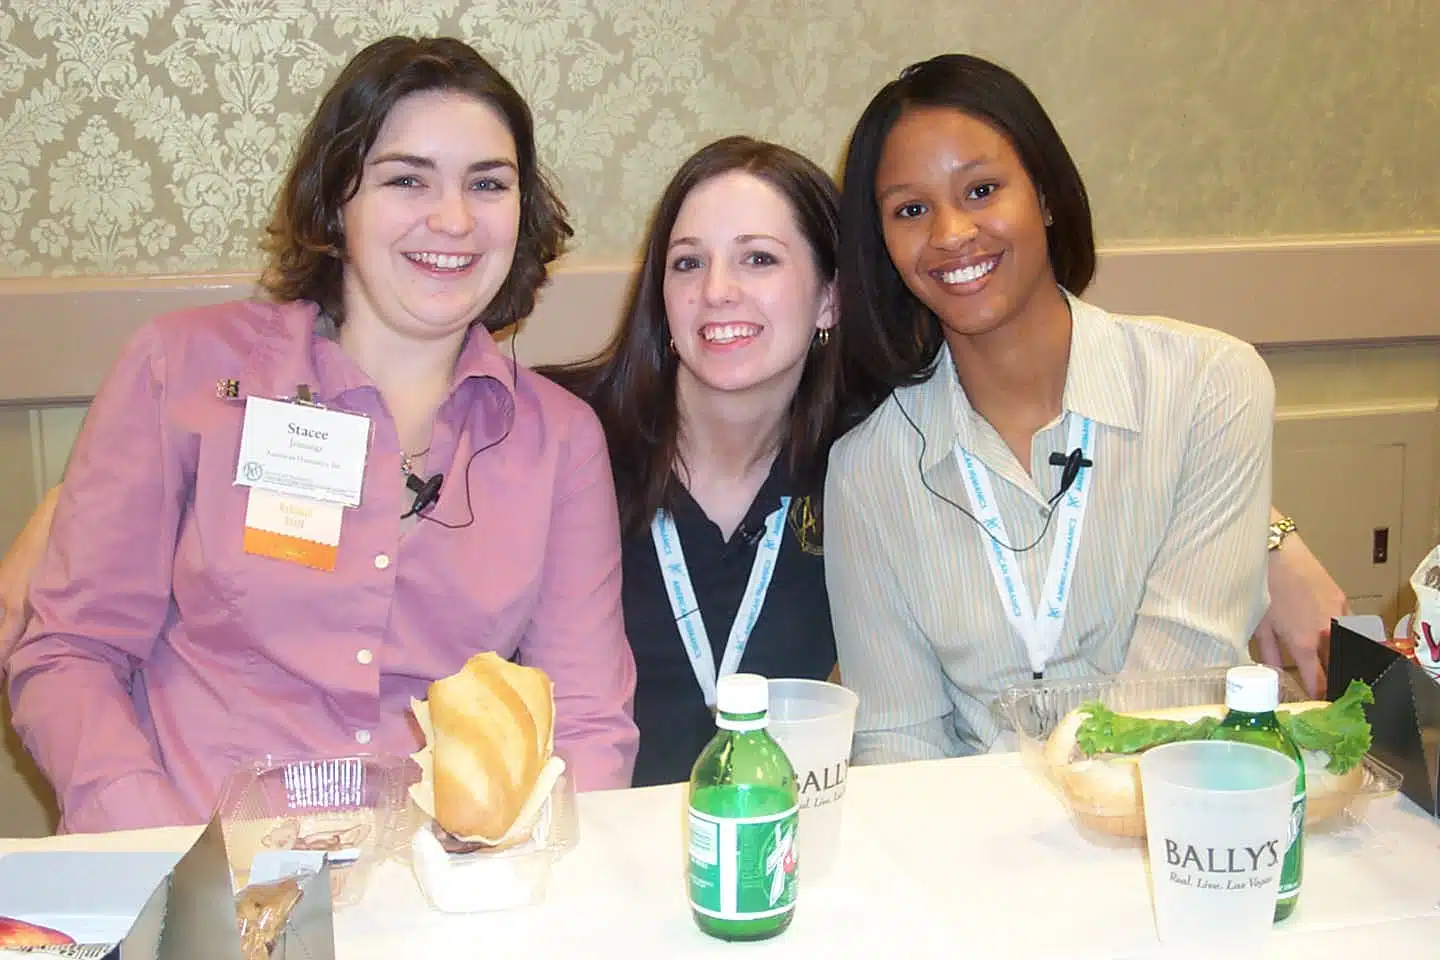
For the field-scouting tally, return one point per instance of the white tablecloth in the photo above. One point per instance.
(972, 855)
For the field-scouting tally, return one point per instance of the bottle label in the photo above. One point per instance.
(743, 868)
(1290, 870)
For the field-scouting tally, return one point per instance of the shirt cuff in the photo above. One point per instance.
(133, 802)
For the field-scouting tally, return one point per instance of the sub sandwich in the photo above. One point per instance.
(1093, 754)
(492, 730)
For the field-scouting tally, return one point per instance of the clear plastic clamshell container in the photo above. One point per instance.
(498, 878)
(350, 808)
(1034, 709)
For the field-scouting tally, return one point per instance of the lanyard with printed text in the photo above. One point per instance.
(1040, 629)
(686, 606)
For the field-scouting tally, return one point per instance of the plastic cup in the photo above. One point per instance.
(814, 723)
(1217, 820)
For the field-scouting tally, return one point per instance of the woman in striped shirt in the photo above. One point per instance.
(1051, 490)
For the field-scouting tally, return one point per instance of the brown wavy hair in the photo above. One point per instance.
(305, 239)
(631, 384)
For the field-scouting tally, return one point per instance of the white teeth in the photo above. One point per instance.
(443, 261)
(968, 274)
(726, 332)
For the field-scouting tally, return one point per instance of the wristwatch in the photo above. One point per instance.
(1279, 530)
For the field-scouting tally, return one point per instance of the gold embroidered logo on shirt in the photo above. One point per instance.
(806, 526)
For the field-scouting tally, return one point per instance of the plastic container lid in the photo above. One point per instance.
(742, 693)
(1252, 689)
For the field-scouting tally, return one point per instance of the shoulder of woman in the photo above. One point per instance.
(559, 411)
(217, 339)
(1177, 336)
(261, 316)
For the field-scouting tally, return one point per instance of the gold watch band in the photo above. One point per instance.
(1279, 530)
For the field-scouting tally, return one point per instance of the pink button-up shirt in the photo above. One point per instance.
(160, 654)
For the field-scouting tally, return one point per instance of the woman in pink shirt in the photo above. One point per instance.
(186, 620)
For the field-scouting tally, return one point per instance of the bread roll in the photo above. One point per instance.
(492, 731)
(1104, 791)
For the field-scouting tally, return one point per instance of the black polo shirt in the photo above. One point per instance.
(792, 636)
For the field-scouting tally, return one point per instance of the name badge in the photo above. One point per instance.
(303, 451)
(301, 531)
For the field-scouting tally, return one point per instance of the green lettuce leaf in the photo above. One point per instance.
(1105, 731)
(1340, 730)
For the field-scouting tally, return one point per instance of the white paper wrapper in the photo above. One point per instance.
(1425, 624)
(423, 792)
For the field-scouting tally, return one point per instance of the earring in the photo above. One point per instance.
(672, 344)
(1049, 220)
(822, 336)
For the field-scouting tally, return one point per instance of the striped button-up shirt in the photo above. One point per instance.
(1170, 571)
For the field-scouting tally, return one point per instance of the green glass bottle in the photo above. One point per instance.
(744, 814)
(1251, 695)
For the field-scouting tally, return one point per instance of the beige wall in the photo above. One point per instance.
(147, 135)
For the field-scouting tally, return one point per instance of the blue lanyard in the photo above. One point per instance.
(1041, 629)
(686, 607)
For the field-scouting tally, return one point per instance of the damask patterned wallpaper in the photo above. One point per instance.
(148, 135)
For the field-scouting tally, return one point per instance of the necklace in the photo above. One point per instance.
(407, 459)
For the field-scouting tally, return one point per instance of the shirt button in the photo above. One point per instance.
(381, 561)
(362, 736)
(364, 656)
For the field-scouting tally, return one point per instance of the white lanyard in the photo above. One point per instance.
(686, 607)
(1040, 633)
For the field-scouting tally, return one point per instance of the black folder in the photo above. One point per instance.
(1405, 717)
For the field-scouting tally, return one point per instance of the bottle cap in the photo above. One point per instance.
(1252, 688)
(742, 693)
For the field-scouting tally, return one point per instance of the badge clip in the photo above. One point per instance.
(305, 398)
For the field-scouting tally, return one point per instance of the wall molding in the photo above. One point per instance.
(58, 336)
(1335, 411)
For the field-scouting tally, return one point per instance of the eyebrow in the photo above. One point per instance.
(425, 163)
(742, 238)
(965, 167)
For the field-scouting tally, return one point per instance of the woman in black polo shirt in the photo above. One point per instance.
(720, 396)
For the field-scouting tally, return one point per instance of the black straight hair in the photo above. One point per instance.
(895, 336)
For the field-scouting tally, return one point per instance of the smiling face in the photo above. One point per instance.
(430, 234)
(743, 298)
(962, 220)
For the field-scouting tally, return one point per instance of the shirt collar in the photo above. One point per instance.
(1099, 384)
(777, 484)
(1101, 380)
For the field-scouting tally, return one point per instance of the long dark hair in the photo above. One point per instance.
(895, 335)
(305, 238)
(631, 384)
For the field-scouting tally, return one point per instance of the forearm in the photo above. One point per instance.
(578, 632)
(599, 749)
(885, 657)
(927, 741)
(17, 569)
(76, 718)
